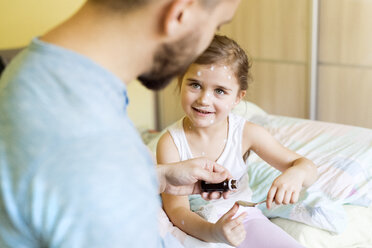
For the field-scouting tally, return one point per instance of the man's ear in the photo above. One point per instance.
(176, 17)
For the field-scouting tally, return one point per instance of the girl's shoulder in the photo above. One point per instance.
(170, 138)
(176, 126)
(174, 129)
(166, 150)
(236, 118)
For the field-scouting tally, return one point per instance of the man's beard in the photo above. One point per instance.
(170, 60)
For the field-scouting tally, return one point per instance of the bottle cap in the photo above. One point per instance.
(232, 184)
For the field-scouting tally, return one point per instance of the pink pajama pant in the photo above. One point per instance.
(262, 233)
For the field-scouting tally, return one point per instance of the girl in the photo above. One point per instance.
(210, 88)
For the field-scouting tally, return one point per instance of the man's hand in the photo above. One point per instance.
(183, 178)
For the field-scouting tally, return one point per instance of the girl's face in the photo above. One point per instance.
(208, 93)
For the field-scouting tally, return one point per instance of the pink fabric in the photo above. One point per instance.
(262, 233)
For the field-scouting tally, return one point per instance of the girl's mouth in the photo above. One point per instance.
(203, 112)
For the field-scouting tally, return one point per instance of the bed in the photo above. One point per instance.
(334, 212)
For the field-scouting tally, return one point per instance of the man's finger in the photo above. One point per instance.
(226, 194)
(218, 168)
(211, 177)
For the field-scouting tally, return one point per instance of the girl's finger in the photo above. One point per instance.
(270, 196)
(295, 196)
(229, 214)
(236, 221)
(279, 196)
(287, 197)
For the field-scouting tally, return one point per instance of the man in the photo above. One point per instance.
(73, 170)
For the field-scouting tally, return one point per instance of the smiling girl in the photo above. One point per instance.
(212, 86)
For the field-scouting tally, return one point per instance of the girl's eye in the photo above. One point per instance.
(220, 92)
(195, 86)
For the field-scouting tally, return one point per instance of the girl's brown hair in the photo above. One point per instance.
(224, 51)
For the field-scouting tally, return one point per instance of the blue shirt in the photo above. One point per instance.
(73, 169)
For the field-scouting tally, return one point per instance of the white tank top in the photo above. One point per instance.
(231, 158)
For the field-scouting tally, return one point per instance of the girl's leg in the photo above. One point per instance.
(262, 233)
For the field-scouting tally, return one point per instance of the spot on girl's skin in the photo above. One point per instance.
(229, 77)
(203, 154)
(199, 73)
(225, 67)
(212, 68)
(183, 222)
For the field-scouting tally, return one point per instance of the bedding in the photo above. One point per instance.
(343, 156)
(334, 212)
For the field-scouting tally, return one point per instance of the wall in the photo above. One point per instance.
(21, 20)
(141, 107)
(345, 62)
(275, 34)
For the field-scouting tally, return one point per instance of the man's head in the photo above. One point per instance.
(185, 29)
(127, 5)
(193, 26)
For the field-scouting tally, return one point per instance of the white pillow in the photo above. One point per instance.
(357, 234)
(343, 156)
(248, 110)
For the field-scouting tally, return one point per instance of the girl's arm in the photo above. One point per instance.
(297, 171)
(227, 230)
(178, 207)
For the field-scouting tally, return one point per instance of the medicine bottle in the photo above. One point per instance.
(221, 187)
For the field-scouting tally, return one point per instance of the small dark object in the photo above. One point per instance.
(220, 187)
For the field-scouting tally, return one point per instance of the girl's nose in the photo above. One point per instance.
(205, 98)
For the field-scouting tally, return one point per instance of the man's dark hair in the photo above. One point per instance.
(124, 5)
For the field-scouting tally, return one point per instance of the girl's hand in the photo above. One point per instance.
(228, 230)
(286, 188)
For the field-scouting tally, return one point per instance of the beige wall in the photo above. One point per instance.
(345, 62)
(275, 34)
(21, 20)
(141, 107)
